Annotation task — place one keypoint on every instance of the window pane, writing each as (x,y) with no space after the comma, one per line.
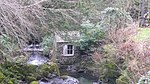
(70,46)
(69,51)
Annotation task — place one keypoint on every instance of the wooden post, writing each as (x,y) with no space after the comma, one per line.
(54,55)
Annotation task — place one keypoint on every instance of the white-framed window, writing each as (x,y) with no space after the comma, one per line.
(68,50)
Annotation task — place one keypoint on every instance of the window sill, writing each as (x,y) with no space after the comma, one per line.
(68,54)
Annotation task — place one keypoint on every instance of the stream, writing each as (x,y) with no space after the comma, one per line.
(73,78)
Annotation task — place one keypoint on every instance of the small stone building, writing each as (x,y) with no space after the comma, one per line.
(67,51)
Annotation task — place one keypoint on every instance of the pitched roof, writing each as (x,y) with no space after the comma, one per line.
(68,36)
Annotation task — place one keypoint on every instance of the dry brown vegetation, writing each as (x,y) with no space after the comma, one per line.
(136,54)
(123,45)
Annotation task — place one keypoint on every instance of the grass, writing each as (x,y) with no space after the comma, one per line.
(143,34)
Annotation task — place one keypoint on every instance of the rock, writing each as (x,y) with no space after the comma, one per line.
(96,83)
(52,75)
(71,68)
(67,80)
(44,82)
(51,81)
(70,80)
(34,82)
(81,71)
(57,81)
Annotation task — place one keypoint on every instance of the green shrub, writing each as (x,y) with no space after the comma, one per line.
(109,65)
(109,72)
(47,43)
(11,73)
(2,77)
(7,48)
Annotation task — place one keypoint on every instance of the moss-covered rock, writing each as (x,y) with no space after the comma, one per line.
(34,82)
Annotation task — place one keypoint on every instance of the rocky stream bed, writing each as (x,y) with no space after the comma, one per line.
(39,70)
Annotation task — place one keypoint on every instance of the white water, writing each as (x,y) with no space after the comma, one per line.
(36,59)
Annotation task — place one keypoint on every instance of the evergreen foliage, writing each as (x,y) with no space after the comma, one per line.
(14,73)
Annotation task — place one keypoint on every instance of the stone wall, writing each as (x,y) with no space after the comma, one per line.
(66,59)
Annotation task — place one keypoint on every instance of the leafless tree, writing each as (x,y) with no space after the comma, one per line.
(22,18)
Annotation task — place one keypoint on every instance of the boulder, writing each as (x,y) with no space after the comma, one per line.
(70,80)
(58,80)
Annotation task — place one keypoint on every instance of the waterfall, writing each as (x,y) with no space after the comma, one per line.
(36,58)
